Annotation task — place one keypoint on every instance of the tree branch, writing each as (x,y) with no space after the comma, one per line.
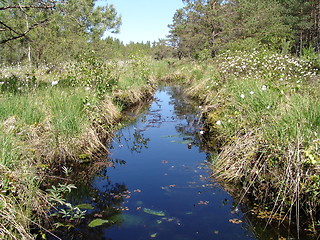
(26,7)
(20,35)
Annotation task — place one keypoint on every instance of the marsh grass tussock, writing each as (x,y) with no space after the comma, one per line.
(53,118)
(269,106)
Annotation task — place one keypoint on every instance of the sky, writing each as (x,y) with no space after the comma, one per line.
(144,20)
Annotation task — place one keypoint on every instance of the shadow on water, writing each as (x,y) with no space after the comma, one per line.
(157,184)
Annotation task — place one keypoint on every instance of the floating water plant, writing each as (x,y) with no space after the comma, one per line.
(153,235)
(85,206)
(97,222)
(154,212)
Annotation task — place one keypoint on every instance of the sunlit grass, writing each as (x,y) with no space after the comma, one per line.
(263,108)
(49,117)
(67,111)
(25,108)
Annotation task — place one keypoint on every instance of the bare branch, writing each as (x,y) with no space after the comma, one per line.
(20,35)
(26,7)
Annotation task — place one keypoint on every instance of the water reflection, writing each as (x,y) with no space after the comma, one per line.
(156,184)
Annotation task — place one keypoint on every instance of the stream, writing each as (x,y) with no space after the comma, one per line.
(157,184)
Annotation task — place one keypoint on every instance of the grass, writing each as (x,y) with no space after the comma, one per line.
(22,108)
(67,112)
(263,109)
(52,119)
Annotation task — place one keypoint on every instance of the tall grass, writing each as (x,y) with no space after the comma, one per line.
(22,107)
(67,112)
(19,187)
(54,117)
(264,110)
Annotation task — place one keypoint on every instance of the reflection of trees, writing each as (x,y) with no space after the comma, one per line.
(108,198)
(187,109)
(135,141)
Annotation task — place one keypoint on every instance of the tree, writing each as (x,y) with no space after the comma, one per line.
(260,20)
(22,17)
(303,17)
(54,29)
(211,25)
(195,27)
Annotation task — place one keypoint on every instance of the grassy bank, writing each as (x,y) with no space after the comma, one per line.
(53,118)
(262,112)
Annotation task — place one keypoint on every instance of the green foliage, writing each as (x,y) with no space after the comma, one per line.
(137,72)
(16,84)
(283,26)
(139,67)
(50,31)
(94,74)
(66,210)
(300,120)
(8,151)
(97,222)
(264,111)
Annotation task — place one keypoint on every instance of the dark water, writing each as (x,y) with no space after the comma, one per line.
(159,186)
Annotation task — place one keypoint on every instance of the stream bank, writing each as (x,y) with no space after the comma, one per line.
(158,184)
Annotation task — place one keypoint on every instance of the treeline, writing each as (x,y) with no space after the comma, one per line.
(52,31)
(203,27)
(46,31)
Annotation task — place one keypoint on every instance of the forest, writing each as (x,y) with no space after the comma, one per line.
(253,64)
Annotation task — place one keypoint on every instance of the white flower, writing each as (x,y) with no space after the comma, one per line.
(87,88)
(268,107)
(54,83)
(242,95)
(201,132)
(200,107)
(218,122)
(264,88)
(252,92)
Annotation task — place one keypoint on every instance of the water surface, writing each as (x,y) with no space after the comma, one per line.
(159,186)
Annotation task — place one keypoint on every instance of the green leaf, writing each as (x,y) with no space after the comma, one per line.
(97,222)
(154,212)
(153,235)
(85,206)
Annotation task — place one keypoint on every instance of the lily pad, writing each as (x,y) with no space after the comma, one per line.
(154,212)
(85,206)
(153,235)
(97,222)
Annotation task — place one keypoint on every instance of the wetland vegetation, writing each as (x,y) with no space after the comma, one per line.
(252,66)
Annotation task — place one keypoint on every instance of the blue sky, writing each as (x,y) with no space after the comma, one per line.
(144,20)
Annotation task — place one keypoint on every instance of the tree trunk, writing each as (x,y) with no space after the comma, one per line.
(29,47)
